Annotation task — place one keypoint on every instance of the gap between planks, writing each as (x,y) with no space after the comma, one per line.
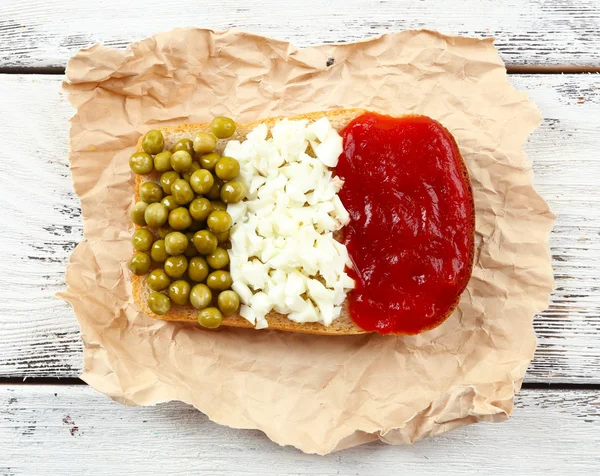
(510,69)
(70,381)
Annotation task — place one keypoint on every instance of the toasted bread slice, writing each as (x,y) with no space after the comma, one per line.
(343,325)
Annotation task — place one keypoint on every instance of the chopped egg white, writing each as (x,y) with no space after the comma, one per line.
(283,256)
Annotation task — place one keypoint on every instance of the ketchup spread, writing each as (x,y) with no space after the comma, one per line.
(410,237)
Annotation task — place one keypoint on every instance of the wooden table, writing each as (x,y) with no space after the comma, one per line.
(52,424)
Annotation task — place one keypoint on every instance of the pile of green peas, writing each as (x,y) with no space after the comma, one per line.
(182,243)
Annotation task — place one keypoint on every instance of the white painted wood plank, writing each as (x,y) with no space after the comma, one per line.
(40,229)
(63,430)
(36,33)
(39,333)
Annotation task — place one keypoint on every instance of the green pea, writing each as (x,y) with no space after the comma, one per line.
(180,218)
(222,127)
(142,239)
(151,192)
(159,303)
(204,142)
(176,266)
(202,181)
(210,317)
(233,191)
(215,191)
(219,221)
(200,208)
(153,142)
(198,269)
(140,263)
(167,179)
(141,163)
(175,243)
(228,302)
(137,213)
(179,292)
(209,161)
(158,280)
(219,280)
(182,192)
(156,215)
(205,242)
(218,205)
(181,161)
(169,202)
(227,168)
(218,259)
(158,251)
(200,296)
(162,162)
(184,144)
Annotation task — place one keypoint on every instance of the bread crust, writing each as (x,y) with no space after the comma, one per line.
(343,325)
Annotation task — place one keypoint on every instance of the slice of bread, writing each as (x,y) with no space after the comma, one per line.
(343,325)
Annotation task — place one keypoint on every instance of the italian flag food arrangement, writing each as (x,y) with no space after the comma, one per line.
(258,214)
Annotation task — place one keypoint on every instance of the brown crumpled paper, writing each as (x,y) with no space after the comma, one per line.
(316,393)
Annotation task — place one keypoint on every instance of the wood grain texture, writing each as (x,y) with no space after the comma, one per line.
(39,333)
(40,229)
(35,33)
(50,430)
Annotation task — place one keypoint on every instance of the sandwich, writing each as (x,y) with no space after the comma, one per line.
(338,223)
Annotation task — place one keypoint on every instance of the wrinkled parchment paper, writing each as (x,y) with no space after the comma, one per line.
(316,393)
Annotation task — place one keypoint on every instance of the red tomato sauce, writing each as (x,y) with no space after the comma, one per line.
(410,237)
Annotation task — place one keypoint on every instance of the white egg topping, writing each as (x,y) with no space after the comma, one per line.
(283,255)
